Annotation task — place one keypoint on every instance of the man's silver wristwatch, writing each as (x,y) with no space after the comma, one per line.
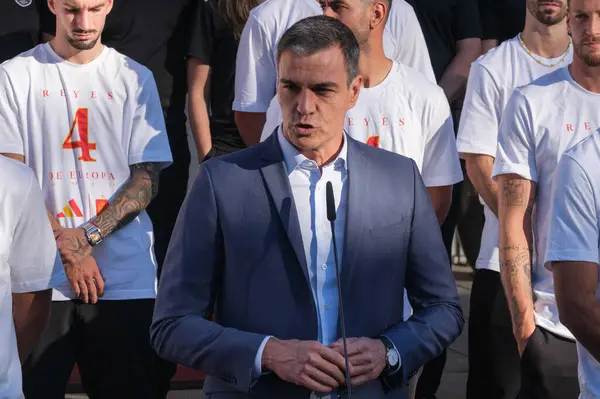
(92,233)
(392,357)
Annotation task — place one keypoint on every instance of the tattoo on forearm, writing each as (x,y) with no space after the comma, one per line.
(135,195)
(517,276)
(513,193)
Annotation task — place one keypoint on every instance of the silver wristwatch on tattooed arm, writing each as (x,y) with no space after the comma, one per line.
(92,233)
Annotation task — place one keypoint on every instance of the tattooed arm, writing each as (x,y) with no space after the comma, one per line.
(515,206)
(135,195)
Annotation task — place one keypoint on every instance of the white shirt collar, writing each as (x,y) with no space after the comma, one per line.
(293,158)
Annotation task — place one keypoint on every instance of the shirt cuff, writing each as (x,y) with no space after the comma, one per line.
(258,359)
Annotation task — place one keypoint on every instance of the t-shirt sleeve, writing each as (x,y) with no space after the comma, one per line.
(149,141)
(11,139)
(33,255)
(256,69)
(203,33)
(481,113)
(47,18)
(467,24)
(574,219)
(441,166)
(516,142)
(404,28)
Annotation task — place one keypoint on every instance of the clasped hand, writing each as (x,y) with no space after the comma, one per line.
(320,368)
(80,266)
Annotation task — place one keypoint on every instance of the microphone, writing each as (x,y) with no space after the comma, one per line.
(331,215)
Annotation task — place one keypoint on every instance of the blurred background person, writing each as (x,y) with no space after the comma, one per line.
(542,47)
(211,74)
(23,24)
(256,108)
(452,30)
(541,121)
(27,270)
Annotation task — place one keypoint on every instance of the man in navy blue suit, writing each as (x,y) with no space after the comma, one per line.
(248,291)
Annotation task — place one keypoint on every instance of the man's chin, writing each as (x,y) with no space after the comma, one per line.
(83,44)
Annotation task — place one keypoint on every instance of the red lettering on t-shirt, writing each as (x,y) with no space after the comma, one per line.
(401,121)
(72,175)
(59,176)
(45,93)
(366,122)
(93,94)
(62,93)
(76,93)
(569,127)
(110,95)
(384,121)
(95,175)
(587,126)
(350,122)
(111,176)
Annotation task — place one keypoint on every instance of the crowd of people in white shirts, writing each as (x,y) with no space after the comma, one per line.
(83,141)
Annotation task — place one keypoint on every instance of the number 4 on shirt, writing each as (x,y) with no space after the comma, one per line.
(81,121)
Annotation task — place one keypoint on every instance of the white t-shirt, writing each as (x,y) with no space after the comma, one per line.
(541,121)
(491,81)
(408,115)
(80,127)
(575,230)
(27,260)
(256,62)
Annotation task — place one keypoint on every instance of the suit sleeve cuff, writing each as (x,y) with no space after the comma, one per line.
(258,359)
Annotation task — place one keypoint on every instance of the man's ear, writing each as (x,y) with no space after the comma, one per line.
(52,6)
(355,87)
(379,14)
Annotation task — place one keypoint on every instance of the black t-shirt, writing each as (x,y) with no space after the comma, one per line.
(502,19)
(21,23)
(155,33)
(214,44)
(444,22)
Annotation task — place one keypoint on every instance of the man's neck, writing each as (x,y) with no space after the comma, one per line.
(72,55)
(373,65)
(543,40)
(586,76)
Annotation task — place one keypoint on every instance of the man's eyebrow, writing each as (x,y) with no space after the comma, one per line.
(324,85)
(288,82)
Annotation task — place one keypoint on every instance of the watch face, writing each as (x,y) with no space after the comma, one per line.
(95,236)
(392,358)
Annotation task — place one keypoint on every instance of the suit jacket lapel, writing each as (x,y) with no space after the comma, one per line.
(358,202)
(278,184)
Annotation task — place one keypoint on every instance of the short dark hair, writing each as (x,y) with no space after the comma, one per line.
(313,34)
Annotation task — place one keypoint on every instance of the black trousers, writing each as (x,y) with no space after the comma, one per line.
(110,343)
(494,362)
(549,367)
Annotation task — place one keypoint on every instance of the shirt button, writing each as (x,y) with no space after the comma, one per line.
(324,267)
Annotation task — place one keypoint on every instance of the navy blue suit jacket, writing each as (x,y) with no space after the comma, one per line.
(237,253)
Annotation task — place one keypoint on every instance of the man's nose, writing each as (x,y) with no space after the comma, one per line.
(306,102)
(83,20)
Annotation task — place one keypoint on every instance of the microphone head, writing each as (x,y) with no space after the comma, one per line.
(330,202)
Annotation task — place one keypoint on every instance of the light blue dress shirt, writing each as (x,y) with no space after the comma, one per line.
(308,184)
